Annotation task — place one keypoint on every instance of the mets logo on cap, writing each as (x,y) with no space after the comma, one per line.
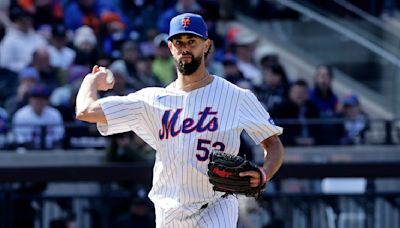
(185,22)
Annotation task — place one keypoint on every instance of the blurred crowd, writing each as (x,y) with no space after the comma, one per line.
(48,46)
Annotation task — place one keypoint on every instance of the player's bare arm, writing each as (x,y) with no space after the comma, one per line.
(273,158)
(87,107)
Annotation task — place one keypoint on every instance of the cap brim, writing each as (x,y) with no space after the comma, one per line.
(186,32)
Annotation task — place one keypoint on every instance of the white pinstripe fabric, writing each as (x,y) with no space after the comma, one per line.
(221,213)
(195,123)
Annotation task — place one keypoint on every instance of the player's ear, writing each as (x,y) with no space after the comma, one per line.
(208,44)
(169,44)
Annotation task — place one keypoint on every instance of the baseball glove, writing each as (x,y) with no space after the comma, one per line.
(223,172)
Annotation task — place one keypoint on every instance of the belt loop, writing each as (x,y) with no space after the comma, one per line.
(206,204)
(225,195)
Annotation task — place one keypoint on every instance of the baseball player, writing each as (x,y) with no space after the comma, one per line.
(184,122)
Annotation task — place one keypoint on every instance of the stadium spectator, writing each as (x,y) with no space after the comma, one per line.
(269,60)
(85,42)
(4,18)
(214,66)
(181,6)
(266,55)
(139,214)
(355,121)
(8,84)
(27,78)
(20,41)
(63,99)
(140,14)
(233,74)
(61,96)
(143,78)
(144,72)
(146,44)
(2,29)
(211,16)
(83,12)
(128,147)
(298,108)
(275,86)
(113,33)
(3,122)
(3,128)
(44,12)
(104,60)
(30,121)
(323,96)
(244,43)
(163,66)
(49,74)
(126,66)
(60,54)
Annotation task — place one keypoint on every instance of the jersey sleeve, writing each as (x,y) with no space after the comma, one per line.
(121,112)
(254,119)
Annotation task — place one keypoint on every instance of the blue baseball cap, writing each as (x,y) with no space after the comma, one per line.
(188,23)
(40,90)
(351,100)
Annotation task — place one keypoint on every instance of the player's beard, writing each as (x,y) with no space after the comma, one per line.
(188,68)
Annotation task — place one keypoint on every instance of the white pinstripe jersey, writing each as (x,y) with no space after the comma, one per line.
(184,127)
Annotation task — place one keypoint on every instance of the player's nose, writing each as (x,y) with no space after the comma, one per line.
(184,51)
(185,47)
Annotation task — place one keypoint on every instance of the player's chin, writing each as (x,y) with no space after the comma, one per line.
(185,60)
(184,64)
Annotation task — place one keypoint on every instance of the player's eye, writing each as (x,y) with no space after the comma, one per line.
(191,42)
(178,43)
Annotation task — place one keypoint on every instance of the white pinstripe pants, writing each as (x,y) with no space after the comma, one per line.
(222,213)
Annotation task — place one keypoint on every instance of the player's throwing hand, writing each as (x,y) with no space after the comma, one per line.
(102,78)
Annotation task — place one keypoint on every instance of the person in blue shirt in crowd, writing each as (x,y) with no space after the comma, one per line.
(327,102)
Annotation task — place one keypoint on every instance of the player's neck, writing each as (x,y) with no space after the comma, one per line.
(198,79)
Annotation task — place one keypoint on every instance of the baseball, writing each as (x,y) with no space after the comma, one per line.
(110,76)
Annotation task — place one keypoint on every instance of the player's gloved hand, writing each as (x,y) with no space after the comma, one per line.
(233,174)
(100,77)
(256,177)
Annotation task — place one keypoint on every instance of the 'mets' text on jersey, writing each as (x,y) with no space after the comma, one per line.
(170,127)
(184,128)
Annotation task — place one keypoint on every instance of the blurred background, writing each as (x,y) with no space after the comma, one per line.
(327,71)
